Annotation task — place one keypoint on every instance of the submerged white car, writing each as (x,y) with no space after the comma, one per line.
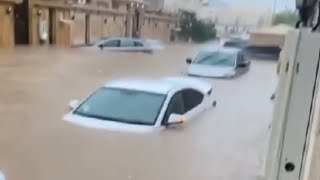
(2,177)
(142,105)
(218,62)
(127,44)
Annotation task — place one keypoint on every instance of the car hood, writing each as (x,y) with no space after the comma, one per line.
(107,125)
(210,71)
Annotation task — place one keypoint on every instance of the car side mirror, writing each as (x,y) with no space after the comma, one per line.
(242,65)
(74,104)
(175,119)
(189,61)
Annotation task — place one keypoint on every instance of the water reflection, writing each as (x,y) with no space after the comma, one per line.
(35,144)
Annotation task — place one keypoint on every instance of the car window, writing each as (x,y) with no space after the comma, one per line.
(111,43)
(182,102)
(138,44)
(127,43)
(175,106)
(240,58)
(192,98)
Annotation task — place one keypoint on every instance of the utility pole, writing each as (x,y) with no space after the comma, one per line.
(274,10)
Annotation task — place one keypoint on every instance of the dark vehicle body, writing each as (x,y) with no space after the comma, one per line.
(254,52)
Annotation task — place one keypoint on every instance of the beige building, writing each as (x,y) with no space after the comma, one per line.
(273,36)
(79,22)
(236,20)
(155,4)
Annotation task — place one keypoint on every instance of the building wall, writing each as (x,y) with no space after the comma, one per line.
(6,25)
(105,26)
(69,25)
(38,15)
(62,30)
(155,4)
(95,28)
(78,29)
(156,29)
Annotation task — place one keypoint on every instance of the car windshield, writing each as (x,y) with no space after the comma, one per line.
(99,41)
(218,58)
(122,105)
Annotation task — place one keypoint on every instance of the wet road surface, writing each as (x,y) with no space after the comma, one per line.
(35,144)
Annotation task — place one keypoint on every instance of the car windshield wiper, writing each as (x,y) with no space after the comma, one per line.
(111,119)
(204,59)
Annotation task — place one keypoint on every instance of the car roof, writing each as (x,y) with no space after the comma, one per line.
(220,49)
(123,38)
(161,85)
(152,85)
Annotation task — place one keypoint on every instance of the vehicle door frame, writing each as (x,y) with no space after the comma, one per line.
(110,48)
(127,48)
(143,48)
(241,70)
(191,114)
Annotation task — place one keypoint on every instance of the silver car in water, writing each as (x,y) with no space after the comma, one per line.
(129,44)
(218,62)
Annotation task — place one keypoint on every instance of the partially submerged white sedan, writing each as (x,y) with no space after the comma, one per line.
(142,105)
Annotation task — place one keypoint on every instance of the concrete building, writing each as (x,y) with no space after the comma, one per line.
(173,6)
(77,22)
(235,20)
(155,4)
(228,19)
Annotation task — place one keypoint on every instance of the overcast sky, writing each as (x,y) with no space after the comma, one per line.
(280,4)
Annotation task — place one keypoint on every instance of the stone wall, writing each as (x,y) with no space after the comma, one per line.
(78,29)
(6,24)
(157,28)
(70,24)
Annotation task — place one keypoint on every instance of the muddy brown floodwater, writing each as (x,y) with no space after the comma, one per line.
(35,144)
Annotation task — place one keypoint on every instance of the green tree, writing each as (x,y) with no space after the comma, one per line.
(285,17)
(196,29)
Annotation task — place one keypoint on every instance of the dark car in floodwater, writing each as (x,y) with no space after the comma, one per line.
(218,62)
(254,52)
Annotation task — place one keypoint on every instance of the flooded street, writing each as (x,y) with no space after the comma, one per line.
(35,144)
